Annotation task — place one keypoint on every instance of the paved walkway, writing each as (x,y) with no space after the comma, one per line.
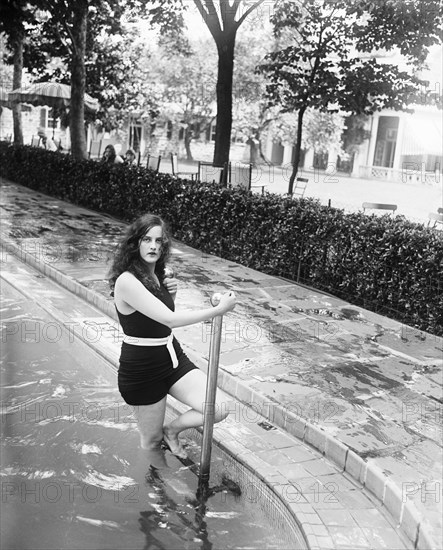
(361,389)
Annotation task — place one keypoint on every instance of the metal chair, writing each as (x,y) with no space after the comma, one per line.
(94,149)
(35,141)
(207,173)
(153,162)
(379,206)
(300,187)
(437,218)
(176,173)
(240,175)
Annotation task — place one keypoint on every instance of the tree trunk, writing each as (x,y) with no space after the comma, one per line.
(187,141)
(78,81)
(297,151)
(225,47)
(253,149)
(17,83)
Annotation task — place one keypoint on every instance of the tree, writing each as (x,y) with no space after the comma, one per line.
(251,116)
(223,20)
(14,16)
(64,33)
(117,64)
(186,80)
(327,56)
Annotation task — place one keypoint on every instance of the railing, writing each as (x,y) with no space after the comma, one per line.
(211,389)
(409,174)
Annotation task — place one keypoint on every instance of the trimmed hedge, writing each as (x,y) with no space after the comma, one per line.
(386,264)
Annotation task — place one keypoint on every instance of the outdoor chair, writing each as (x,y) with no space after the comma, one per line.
(437,218)
(379,206)
(94,149)
(176,173)
(300,187)
(240,175)
(35,141)
(207,173)
(153,162)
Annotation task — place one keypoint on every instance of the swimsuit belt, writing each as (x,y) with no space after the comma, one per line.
(167,341)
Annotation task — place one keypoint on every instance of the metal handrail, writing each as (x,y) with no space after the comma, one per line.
(211,390)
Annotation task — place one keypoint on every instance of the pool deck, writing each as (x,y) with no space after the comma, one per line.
(339,409)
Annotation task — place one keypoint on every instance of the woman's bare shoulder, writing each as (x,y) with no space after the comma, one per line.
(126,278)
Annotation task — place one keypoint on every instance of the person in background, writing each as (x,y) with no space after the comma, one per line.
(46,143)
(110,155)
(130,158)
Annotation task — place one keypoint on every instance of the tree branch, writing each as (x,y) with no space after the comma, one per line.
(228,13)
(207,14)
(54,7)
(248,11)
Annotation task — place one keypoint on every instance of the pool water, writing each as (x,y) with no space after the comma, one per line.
(73,475)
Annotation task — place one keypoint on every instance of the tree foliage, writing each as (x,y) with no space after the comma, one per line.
(251,116)
(113,73)
(15,16)
(185,80)
(330,56)
(80,42)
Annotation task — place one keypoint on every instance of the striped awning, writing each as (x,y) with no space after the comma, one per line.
(53,94)
(4,99)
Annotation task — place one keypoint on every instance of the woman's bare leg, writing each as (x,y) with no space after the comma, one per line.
(150,419)
(191,390)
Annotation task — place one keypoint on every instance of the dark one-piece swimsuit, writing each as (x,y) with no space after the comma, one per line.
(146,373)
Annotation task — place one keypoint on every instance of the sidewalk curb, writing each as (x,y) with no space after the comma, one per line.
(369,476)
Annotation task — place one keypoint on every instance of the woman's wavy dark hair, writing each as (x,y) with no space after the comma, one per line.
(127,256)
(113,155)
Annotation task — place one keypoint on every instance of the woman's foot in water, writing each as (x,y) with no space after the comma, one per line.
(173,443)
(155,457)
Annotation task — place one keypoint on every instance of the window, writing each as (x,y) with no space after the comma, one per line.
(47,119)
(169,130)
(135,135)
(210,131)
(213,130)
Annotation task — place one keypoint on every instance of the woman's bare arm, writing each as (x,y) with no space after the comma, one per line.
(129,289)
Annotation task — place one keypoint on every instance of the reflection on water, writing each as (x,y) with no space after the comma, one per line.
(72,473)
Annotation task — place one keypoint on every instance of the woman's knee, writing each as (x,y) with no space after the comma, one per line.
(223,409)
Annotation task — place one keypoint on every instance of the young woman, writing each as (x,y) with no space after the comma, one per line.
(110,155)
(152,362)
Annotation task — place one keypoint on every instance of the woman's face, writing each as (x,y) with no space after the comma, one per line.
(151,245)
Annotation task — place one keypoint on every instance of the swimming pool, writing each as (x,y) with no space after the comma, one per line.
(73,475)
